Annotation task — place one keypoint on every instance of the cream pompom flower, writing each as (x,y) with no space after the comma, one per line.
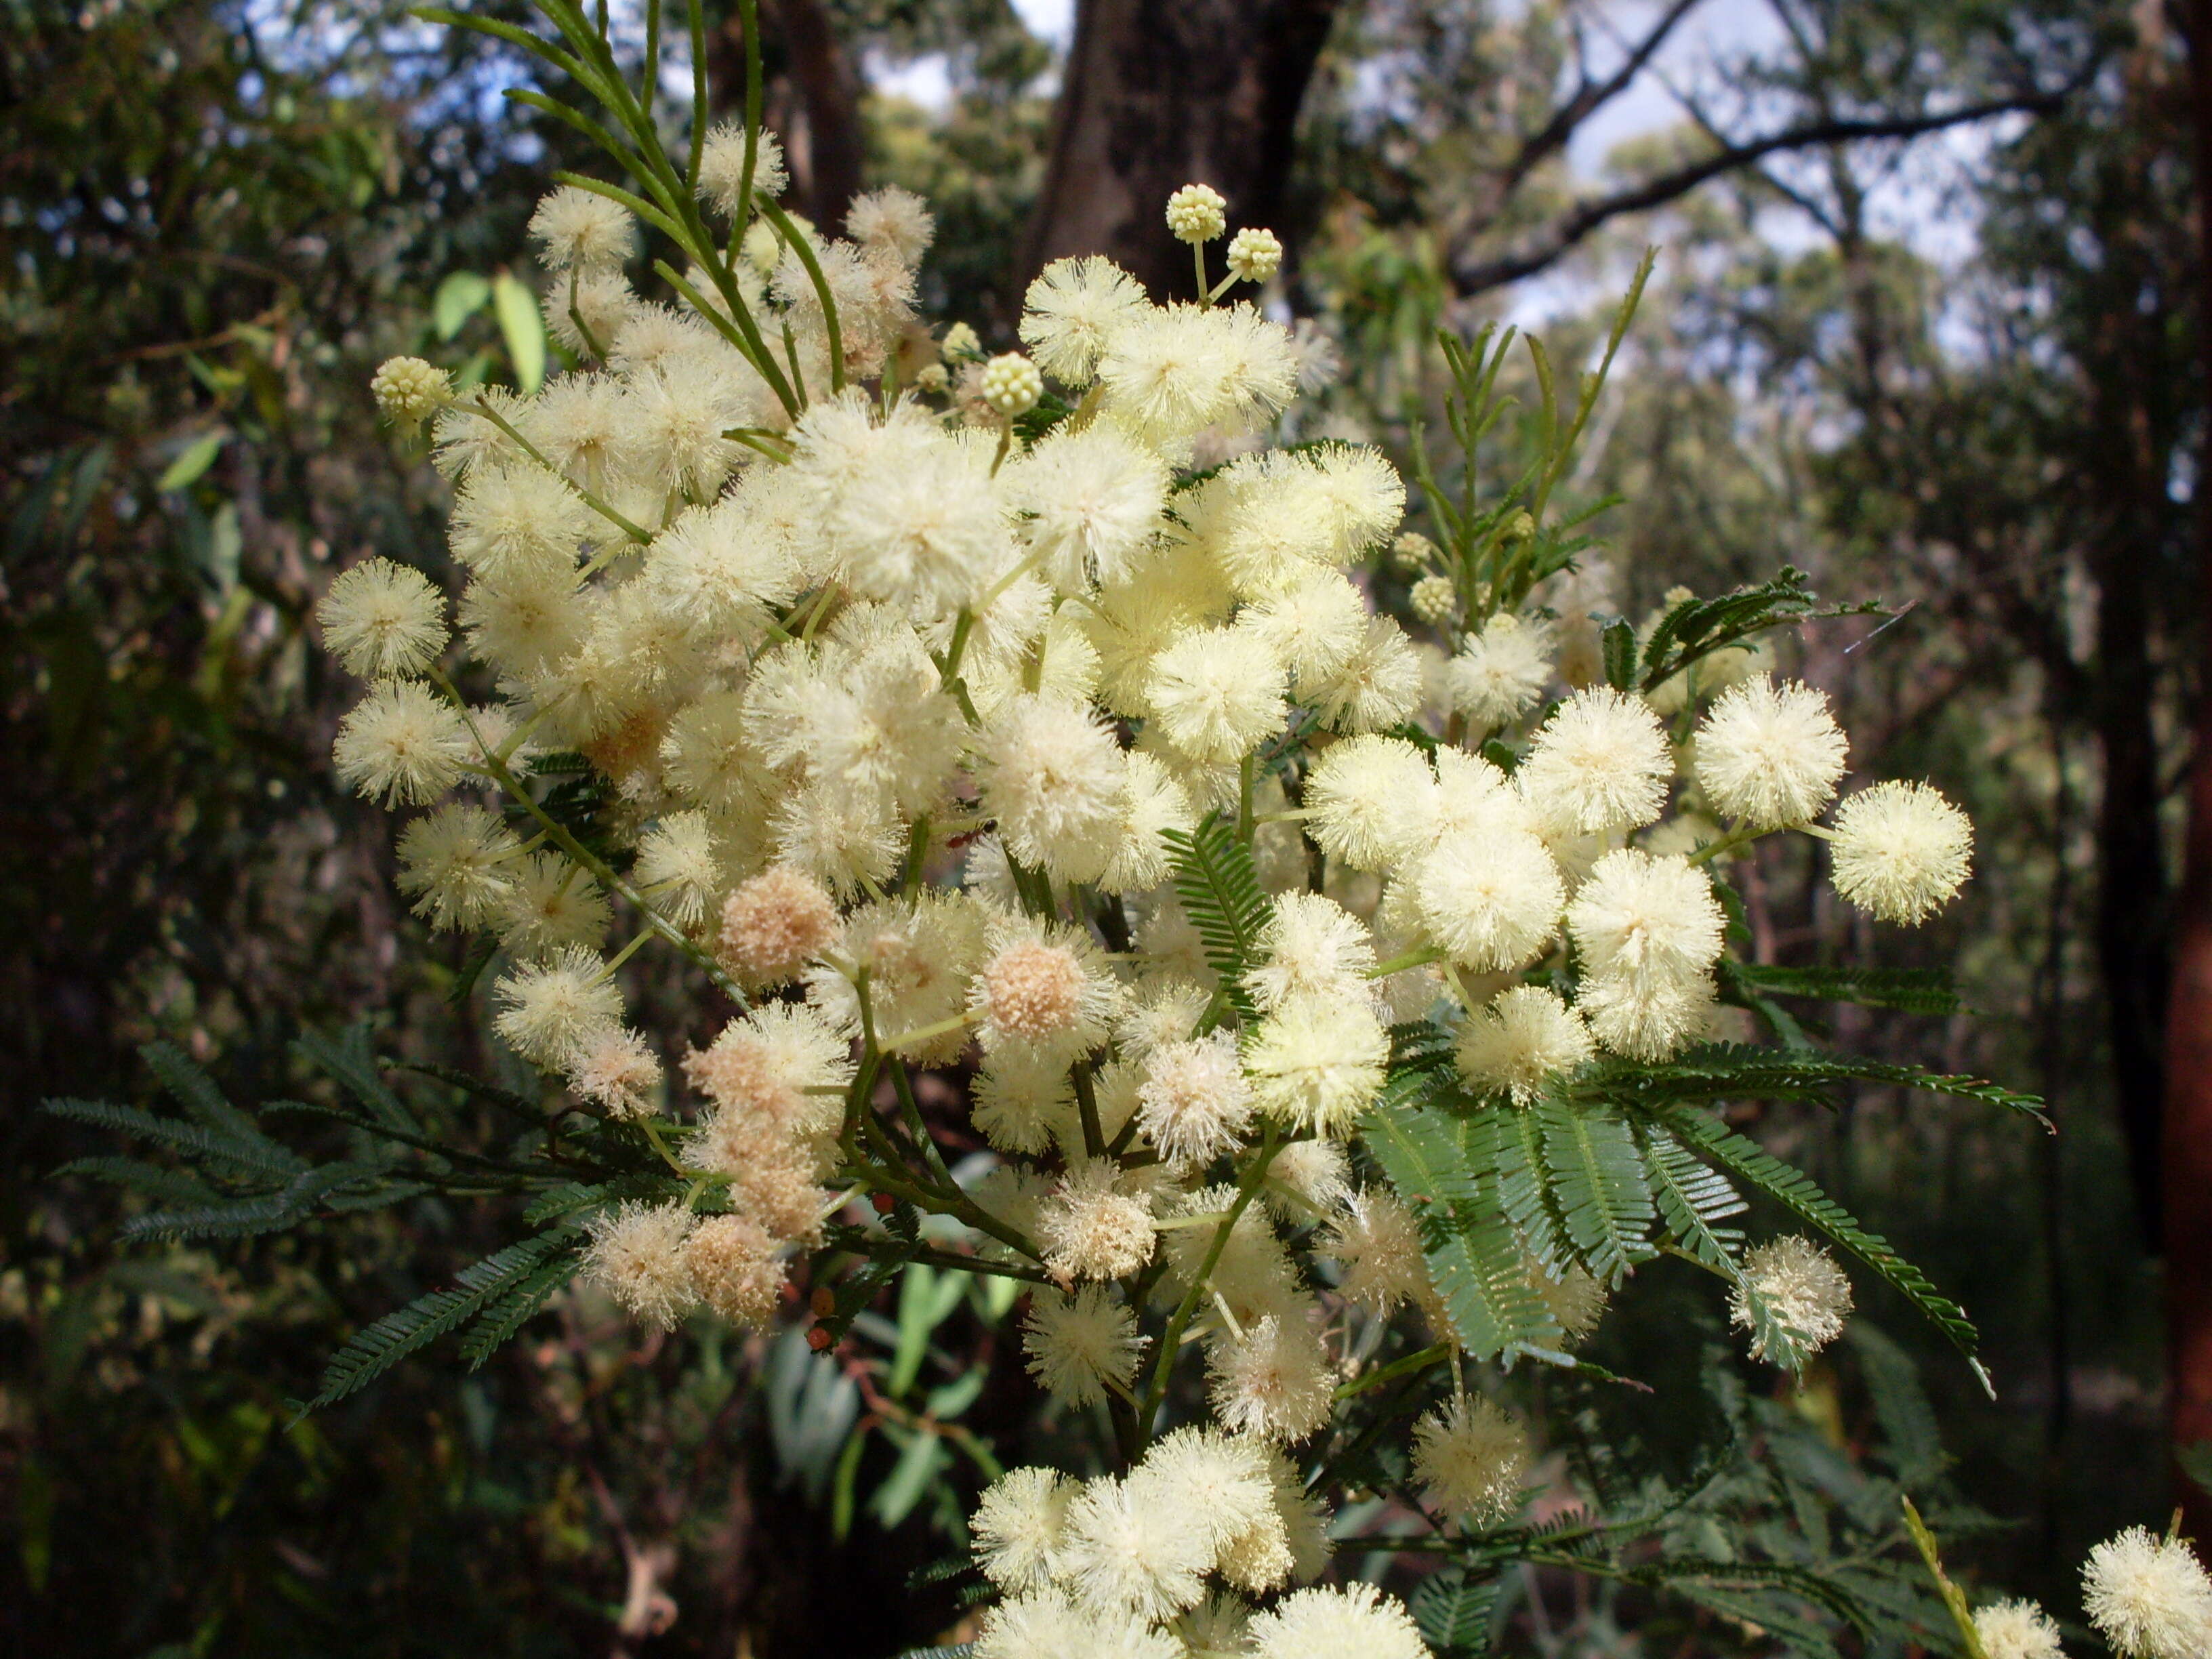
(1376,1239)
(403,743)
(1171,373)
(579,229)
(722,169)
(550,902)
(775,1070)
(1311,946)
(736,1268)
(1091,1229)
(2148,1596)
(1072,308)
(1043,987)
(1335,1623)
(1216,692)
(1194,1103)
(1129,1546)
(1272,1379)
(1471,1459)
(519,521)
(1080,1345)
(1500,673)
(1770,756)
(1016,1528)
(1053,776)
(1369,799)
(1526,1035)
(774,924)
(1093,499)
(1645,917)
(1492,901)
(1318,1064)
(679,867)
(614,1069)
(2017,1630)
(636,1255)
(1600,763)
(457,861)
(549,1010)
(1799,1287)
(892,220)
(1901,851)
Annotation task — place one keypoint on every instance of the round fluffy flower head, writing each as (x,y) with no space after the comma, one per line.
(1171,373)
(734,1267)
(1770,756)
(1128,1546)
(1254,255)
(1090,1229)
(1052,774)
(1070,309)
(769,1065)
(1472,1458)
(1094,497)
(1802,1288)
(636,1256)
(1490,900)
(1376,1238)
(1043,987)
(1901,851)
(1525,1035)
(451,860)
(722,169)
(1646,918)
(2148,1596)
(549,1011)
(892,221)
(613,1069)
(1011,384)
(1194,1103)
(2017,1630)
(774,924)
(1366,797)
(1337,1622)
(579,229)
(1016,1528)
(1275,1381)
(1047,1624)
(1078,1346)
(402,744)
(1500,673)
(1311,946)
(678,866)
(1600,763)
(1217,691)
(1318,1064)
(409,391)
(1197,213)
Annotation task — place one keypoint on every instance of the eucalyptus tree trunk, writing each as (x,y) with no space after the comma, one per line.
(1159,93)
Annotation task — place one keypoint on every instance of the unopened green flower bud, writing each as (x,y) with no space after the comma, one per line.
(1011,384)
(1197,213)
(407,389)
(960,341)
(1413,551)
(1254,255)
(1433,598)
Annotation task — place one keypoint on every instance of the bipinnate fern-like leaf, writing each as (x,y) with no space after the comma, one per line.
(1221,893)
(1694,1201)
(1797,1193)
(1909,990)
(1733,1070)
(1603,1193)
(378,1347)
(1453,1607)
(1474,1254)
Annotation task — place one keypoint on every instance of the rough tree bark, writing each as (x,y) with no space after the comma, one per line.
(1157,93)
(2187,1140)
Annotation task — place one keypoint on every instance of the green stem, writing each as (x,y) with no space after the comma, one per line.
(480,407)
(1172,1339)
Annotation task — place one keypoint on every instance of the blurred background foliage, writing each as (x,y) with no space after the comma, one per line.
(1948,363)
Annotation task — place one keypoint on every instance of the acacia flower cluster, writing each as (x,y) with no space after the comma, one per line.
(897,718)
